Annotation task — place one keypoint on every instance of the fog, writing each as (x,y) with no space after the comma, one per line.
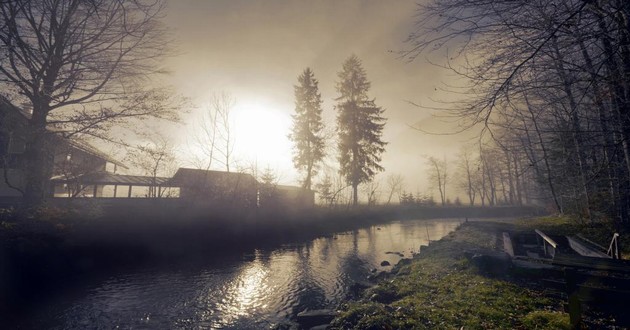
(256,49)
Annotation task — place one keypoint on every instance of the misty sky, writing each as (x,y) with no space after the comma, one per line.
(256,49)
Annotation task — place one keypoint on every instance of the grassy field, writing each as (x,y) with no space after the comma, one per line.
(442,289)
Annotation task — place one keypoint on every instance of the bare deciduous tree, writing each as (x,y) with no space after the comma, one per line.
(438,176)
(371,191)
(214,139)
(83,67)
(465,175)
(550,77)
(155,159)
(395,185)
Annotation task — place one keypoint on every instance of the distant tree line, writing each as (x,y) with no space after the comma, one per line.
(550,82)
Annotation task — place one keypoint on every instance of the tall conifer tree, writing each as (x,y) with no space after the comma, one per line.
(359,125)
(307,131)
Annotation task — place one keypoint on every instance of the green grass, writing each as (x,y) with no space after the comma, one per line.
(441,289)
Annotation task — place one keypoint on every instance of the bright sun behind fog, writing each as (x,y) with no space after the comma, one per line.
(261,132)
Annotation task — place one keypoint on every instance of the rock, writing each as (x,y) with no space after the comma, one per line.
(320,327)
(357,288)
(384,297)
(316,317)
(385,263)
(287,325)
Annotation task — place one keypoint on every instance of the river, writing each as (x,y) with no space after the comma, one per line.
(254,290)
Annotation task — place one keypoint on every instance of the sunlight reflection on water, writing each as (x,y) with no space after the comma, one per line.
(256,290)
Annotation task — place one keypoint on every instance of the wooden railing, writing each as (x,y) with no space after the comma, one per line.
(549,245)
(613,249)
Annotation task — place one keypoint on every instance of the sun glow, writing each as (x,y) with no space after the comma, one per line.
(261,132)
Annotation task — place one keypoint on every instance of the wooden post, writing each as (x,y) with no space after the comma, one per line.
(115,188)
(507,244)
(94,192)
(575,307)
(129,194)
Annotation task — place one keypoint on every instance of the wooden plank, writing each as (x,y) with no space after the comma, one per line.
(584,250)
(591,242)
(608,282)
(533,255)
(546,238)
(613,265)
(602,296)
(507,244)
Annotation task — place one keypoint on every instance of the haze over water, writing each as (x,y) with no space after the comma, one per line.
(254,290)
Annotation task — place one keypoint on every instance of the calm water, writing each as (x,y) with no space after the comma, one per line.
(256,290)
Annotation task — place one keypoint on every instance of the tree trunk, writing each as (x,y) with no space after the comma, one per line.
(37,158)
(576,133)
(612,170)
(549,178)
(620,105)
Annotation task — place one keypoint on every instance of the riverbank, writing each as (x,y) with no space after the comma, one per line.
(53,252)
(442,288)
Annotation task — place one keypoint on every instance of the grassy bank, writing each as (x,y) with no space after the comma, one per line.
(441,288)
(58,248)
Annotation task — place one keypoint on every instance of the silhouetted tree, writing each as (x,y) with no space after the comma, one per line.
(553,74)
(395,184)
(359,125)
(438,176)
(214,140)
(307,131)
(371,190)
(268,190)
(407,199)
(154,159)
(82,66)
(465,174)
(325,191)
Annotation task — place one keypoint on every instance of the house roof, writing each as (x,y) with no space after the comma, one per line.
(88,148)
(8,107)
(185,176)
(104,178)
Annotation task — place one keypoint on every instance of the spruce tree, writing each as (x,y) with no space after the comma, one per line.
(307,131)
(359,125)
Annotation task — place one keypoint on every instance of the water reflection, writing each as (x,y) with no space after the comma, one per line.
(256,291)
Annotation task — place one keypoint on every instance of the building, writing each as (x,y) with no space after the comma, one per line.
(12,144)
(77,169)
(216,189)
